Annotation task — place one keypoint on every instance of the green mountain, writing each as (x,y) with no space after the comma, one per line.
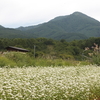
(11,33)
(79,23)
(70,27)
(74,26)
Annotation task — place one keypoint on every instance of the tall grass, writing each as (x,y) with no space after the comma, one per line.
(23,59)
(20,59)
(59,62)
(6,62)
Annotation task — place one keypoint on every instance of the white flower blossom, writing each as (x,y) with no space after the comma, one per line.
(48,83)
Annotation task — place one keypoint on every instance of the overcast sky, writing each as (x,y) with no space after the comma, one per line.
(15,13)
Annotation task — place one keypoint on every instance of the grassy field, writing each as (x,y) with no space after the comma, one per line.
(50,83)
(17,59)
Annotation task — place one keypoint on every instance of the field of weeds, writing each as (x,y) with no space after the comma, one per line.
(50,83)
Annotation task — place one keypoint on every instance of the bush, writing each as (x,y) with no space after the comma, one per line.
(96,59)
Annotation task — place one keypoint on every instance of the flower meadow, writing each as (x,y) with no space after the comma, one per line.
(50,83)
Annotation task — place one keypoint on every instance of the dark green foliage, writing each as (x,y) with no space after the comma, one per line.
(49,48)
(45,48)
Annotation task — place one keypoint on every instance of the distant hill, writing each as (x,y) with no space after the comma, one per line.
(70,27)
(11,33)
(1,26)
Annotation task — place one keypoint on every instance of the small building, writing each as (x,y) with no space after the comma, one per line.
(11,48)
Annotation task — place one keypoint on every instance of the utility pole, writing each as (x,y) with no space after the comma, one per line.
(34,50)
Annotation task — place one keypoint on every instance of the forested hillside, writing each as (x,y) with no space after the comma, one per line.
(79,25)
(75,26)
(11,33)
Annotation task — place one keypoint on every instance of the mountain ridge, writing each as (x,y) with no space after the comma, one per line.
(70,27)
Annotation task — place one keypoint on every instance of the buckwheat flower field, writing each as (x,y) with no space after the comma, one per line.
(50,83)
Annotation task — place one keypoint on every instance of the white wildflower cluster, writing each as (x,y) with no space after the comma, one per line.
(48,83)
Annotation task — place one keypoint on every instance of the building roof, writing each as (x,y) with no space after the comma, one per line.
(11,48)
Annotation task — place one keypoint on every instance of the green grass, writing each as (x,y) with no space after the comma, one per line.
(6,62)
(50,83)
(21,59)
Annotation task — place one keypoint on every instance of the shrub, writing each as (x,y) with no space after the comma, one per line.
(96,59)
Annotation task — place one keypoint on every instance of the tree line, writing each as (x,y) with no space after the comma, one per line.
(50,48)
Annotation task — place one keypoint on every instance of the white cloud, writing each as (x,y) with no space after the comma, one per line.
(14,13)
